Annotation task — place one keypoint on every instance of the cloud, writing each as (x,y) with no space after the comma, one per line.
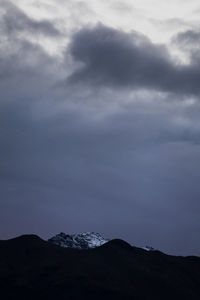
(188,37)
(189,41)
(21,58)
(116,59)
(15,21)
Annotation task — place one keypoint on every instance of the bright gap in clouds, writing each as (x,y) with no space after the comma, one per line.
(158,19)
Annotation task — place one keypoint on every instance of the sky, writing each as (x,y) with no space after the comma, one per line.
(99,120)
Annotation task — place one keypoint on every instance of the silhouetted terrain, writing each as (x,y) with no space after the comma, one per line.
(31,268)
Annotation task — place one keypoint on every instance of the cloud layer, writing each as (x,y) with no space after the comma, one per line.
(114,149)
(15,21)
(113,58)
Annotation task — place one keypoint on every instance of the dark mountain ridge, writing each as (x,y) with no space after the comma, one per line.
(31,268)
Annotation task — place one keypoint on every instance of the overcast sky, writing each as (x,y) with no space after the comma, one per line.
(100,120)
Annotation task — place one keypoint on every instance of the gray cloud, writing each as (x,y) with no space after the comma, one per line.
(113,58)
(189,37)
(15,21)
(189,42)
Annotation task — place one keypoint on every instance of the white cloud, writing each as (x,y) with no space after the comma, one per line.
(156,18)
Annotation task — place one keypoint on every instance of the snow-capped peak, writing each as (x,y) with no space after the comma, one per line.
(149,248)
(85,240)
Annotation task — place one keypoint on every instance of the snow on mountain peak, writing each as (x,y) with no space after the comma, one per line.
(85,240)
(149,248)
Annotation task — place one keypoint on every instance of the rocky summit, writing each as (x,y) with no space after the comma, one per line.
(85,240)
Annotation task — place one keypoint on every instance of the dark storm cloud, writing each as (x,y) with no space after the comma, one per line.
(113,58)
(15,21)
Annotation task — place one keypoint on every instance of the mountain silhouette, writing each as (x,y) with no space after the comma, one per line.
(31,268)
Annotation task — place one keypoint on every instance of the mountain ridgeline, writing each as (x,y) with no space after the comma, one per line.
(31,268)
(85,240)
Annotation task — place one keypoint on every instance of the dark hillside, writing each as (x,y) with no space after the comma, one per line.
(31,268)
